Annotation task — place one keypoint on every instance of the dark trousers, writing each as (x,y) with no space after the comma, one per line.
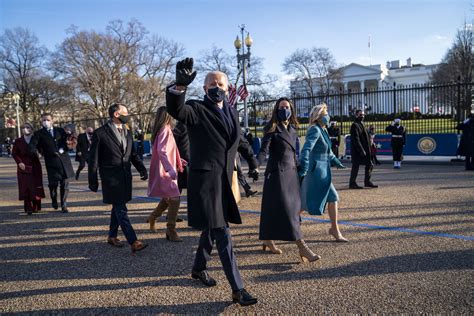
(223,241)
(82,164)
(397,152)
(63,191)
(119,217)
(355,171)
(241,177)
(32,205)
(469,163)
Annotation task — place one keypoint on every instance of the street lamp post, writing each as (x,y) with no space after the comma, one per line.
(16,99)
(244,58)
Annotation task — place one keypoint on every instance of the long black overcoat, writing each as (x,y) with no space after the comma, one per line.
(466,145)
(107,156)
(211,203)
(281,204)
(58,165)
(82,147)
(180,133)
(360,144)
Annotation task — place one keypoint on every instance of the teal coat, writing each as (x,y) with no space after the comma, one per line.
(316,159)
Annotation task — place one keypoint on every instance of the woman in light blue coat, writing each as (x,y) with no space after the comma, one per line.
(316,159)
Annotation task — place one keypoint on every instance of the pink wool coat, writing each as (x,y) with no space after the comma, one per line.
(165,157)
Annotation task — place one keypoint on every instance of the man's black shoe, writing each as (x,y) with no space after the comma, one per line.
(64,210)
(249,193)
(77,175)
(55,204)
(204,277)
(371,185)
(355,186)
(243,298)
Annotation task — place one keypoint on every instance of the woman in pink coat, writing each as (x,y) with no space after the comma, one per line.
(164,167)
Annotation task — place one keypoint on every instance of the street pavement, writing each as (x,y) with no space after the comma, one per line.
(410,251)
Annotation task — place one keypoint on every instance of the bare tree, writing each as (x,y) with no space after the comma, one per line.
(316,68)
(21,62)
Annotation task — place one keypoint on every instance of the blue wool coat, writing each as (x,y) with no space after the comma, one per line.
(316,159)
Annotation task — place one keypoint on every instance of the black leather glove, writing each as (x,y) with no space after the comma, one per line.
(144,175)
(184,72)
(253,174)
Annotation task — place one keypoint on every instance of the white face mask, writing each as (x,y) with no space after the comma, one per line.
(47,124)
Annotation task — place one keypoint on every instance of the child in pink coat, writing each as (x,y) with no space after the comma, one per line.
(164,167)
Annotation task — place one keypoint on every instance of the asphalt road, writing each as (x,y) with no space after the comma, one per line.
(410,251)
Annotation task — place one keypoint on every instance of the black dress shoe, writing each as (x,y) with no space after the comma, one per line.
(371,185)
(55,204)
(243,298)
(249,193)
(64,210)
(204,277)
(355,186)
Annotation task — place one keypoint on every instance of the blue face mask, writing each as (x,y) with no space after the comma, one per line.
(284,114)
(216,94)
(326,119)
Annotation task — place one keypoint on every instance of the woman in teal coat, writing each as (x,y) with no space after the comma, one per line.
(316,159)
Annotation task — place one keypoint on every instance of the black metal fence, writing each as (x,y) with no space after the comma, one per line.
(423,108)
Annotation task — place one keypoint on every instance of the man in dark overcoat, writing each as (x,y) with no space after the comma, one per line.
(245,151)
(466,145)
(398,142)
(335,137)
(213,130)
(360,151)
(84,142)
(51,142)
(112,154)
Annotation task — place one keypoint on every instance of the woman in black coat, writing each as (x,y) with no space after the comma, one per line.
(281,205)
(466,145)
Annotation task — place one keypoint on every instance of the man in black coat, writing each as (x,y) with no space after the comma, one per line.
(84,142)
(112,153)
(51,142)
(213,130)
(245,151)
(335,137)
(360,151)
(398,142)
(466,145)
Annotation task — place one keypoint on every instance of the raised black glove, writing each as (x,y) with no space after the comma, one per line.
(184,72)
(253,174)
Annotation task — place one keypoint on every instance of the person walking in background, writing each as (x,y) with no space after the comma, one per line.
(165,165)
(360,152)
(52,143)
(316,159)
(213,137)
(29,172)
(466,146)
(245,151)
(180,133)
(281,206)
(335,137)
(373,146)
(112,154)
(84,142)
(398,142)
(140,137)
(8,146)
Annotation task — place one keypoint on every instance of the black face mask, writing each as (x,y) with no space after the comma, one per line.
(360,119)
(216,94)
(123,118)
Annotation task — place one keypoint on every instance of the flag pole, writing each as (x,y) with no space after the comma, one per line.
(370,53)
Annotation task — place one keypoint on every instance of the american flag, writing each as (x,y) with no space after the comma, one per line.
(232,97)
(242,92)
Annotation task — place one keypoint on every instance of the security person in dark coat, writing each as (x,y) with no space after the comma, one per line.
(398,142)
(84,142)
(180,133)
(245,151)
(335,137)
(213,138)
(466,146)
(51,142)
(360,151)
(112,154)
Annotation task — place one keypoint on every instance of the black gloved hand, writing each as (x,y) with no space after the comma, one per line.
(184,72)
(144,175)
(253,174)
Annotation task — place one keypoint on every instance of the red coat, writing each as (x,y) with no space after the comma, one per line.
(30,180)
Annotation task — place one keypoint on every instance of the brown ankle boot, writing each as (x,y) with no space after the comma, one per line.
(151,220)
(306,254)
(173,209)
